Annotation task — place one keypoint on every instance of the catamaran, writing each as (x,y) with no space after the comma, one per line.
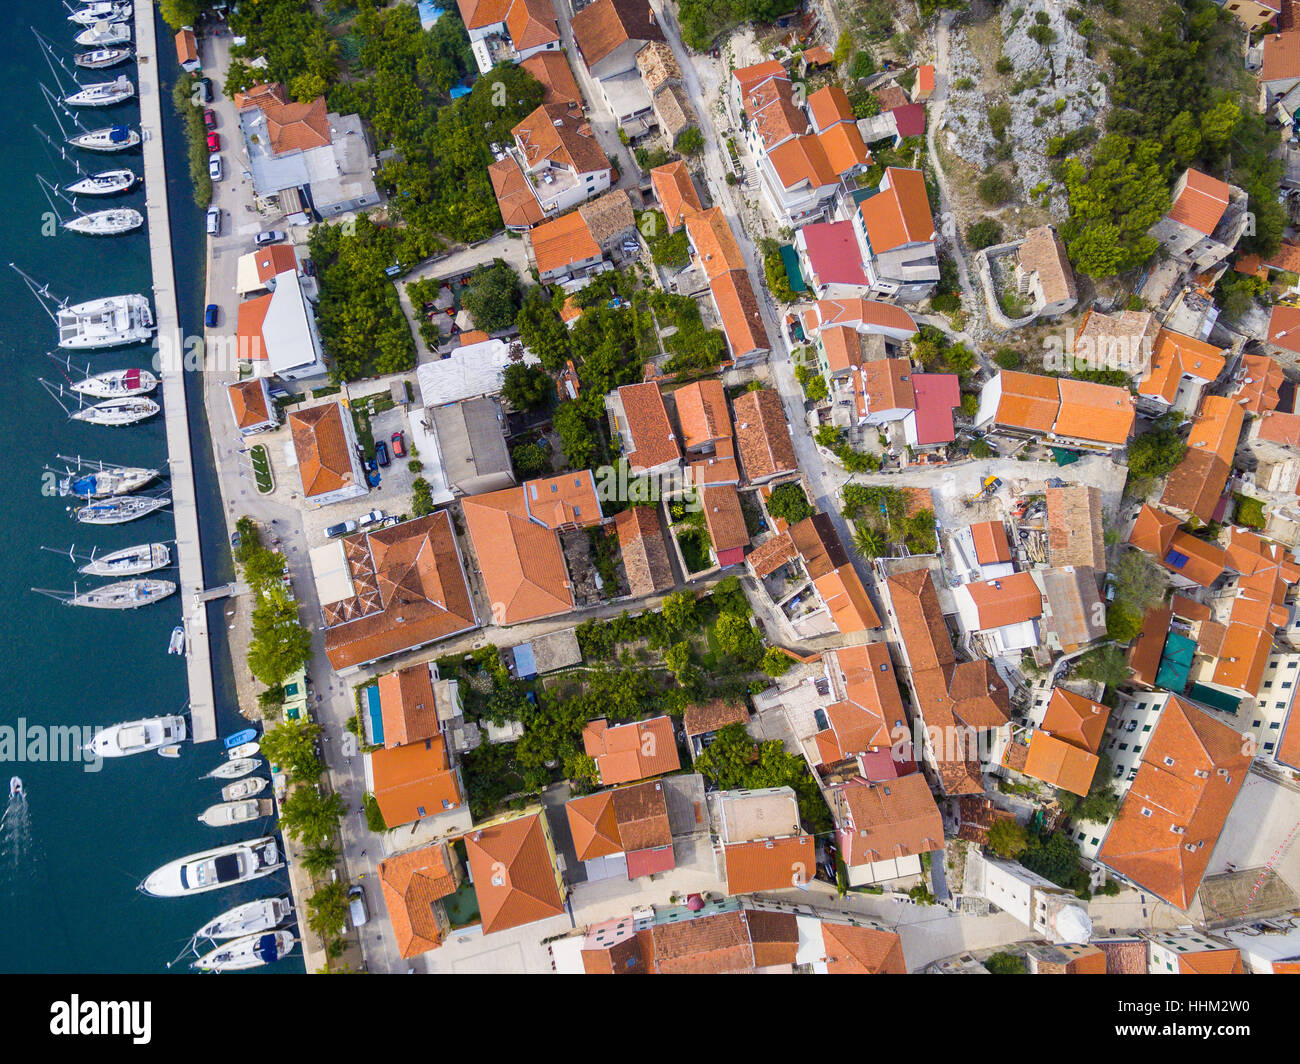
(248,787)
(227,814)
(104,35)
(137,736)
(129,561)
(102,481)
(102,93)
(103,58)
(101,11)
(208,870)
(111,321)
(119,511)
(116,383)
(251,918)
(251,952)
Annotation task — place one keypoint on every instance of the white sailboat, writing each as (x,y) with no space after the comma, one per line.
(227,814)
(115,384)
(129,561)
(123,595)
(250,918)
(208,870)
(232,770)
(102,93)
(102,183)
(119,511)
(250,952)
(97,480)
(137,736)
(103,58)
(114,221)
(248,787)
(108,139)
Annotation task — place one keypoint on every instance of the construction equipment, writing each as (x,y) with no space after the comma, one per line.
(989,487)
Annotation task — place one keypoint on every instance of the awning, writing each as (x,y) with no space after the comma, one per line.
(1214,698)
(1064,457)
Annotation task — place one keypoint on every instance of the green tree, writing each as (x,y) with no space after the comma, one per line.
(677,658)
(542,332)
(327,910)
(527,387)
(690,141)
(291,745)
(984,233)
(178,13)
(789,503)
(308,87)
(1008,838)
(581,445)
(305,814)
(1006,964)
(492,296)
(421,497)
(317,861)
(531,460)
(280,645)
(1155,453)
(776,662)
(1007,358)
(995,188)
(1104,665)
(738,638)
(679,611)
(869,541)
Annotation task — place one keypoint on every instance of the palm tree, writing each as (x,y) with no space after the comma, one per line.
(868,541)
(319,859)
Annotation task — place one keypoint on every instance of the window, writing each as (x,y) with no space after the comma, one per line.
(1268,683)
(1123,746)
(1256,723)
(1292,664)
(1095,841)
(1268,748)
(1275,725)
(419,809)
(1286,684)
(1169,760)
(1132,775)
(1145,811)
(1146,727)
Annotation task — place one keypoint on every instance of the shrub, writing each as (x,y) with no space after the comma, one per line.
(1004,65)
(789,503)
(863,65)
(995,188)
(984,233)
(1007,358)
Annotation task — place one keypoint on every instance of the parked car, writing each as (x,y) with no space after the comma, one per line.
(205,90)
(210,316)
(271,236)
(210,118)
(381,453)
(309,267)
(343,528)
(235,540)
(357,905)
(214,142)
(371,518)
(399,445)
(214,167)
(214,221)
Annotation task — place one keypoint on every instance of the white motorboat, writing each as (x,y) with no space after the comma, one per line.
(104,35)
(110,138)
(232,770)
(250,918)
(115,412)
(112,222)
(101,11)
(250,952)
(208,870)
(130,561)
(124,595)
(176,644)
(174,750)
(101,481)
(116,383)
(108,322)
(103,58)
(248,787)
(103,183)
(137,736)
(102,93)
(119,511)
(243,750)
(226,814)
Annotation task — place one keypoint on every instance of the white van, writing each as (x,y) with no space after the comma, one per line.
(357,905)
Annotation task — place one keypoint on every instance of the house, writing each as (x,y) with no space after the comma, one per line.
(831,261)
(187,50)
(864,725)
(257,271)
(563,249)
(1121,341)
(1062,750)
(609,34)
(982,550)
(896,231)
(1205,220)
(673,112)
(645,435)
(405,588)
(1190,773)
(734,302)
(1253,14)
(471,446)
(251,406)
(643,551)
(1004,610)
(1280,69)
(1196,485)
(883,828)
(559,159)
(551,69)
(763,440)
(675,191)
(1191,561)
(469,371)
(611,222)
(413,885)
(1284,327)
(307,160)
(509,31)
(625,753)
(1043,274)
(1075,529)
(923,89)
(930,423)
(328,455)
(703,417)
(277,332)
(1075,615)
(725,522)
(1075,413)
(1260,384)
(515,536)
(769,864)
(1180,370)
(1191,953)
(702,722)
(415,781)
(512,866)
(623,831)
(1273,441)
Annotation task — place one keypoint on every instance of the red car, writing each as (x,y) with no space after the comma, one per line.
(214,142)
(210,118)
(399,445)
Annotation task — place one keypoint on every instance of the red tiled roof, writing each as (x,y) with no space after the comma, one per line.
(652,436)
(1203,199)
(514,877)
(628,752)
(769,864)
(899,214)
(991,544)
(883,821)
(411,883)
(1006,600)
(762,435)
(321,444)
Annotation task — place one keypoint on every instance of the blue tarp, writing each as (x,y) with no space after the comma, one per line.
(457,91)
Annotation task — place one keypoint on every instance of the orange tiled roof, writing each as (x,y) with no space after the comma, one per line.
(562,242)
(1281,56)
(641,546)
(1259,388)
(748,77)
(628,752)
(557,134)
(854,950)
(709,717)
(772,112)
(737,305)
(882,821)
(871,313)
(803,159)
(1202,201)
(1028,401)
(675,191)
(601,27)
(844,148)
(1060,763)
(1006,600)
(829,106)
(991,544)
(1197,482)
(248,402)
(479,13)
(887,385)
(187,48)
(1075,720)
(1176,356)
(532,24)
(275,260)
(519,207)
(321,444)
(514,877)
(1205,560)
(1243,656)
(406,704)
(414,781)
(762,435)
(1153,530)
(702,412)
(714,242)
(623,820)
(411,883)
(769,864)
(899,214)
(1211,962)
(252,314)
(1092,411)
(296,126)
(1191,771)
(850,607)
(652,433)
(1284,323)
(873,705)
(724,518)
(1145,653)
(551,69)
(920,620)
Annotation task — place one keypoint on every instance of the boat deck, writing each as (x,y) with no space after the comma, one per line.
(203,709)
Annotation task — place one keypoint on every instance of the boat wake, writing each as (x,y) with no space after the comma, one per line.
(18,849)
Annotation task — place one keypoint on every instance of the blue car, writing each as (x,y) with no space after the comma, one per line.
(381,453)
(210,316)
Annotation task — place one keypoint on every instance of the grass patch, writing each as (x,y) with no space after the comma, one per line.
(261,462)
(694,543)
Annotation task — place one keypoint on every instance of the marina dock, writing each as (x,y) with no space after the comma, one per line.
(198,658)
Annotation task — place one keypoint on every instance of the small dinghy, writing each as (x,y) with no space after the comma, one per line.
(170,751)
(15,787)
(251,918)
(240,737)
(243,750)
(228,814)
(176,645)
(232,770)
(253,951)
(245,788)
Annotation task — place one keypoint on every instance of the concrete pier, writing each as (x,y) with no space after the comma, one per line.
(171,351)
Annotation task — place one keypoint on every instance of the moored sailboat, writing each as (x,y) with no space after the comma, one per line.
(129,561)
(250,918)
(119,511)
(251,952)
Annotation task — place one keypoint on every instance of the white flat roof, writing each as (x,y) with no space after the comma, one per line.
(329,569)
(467,372)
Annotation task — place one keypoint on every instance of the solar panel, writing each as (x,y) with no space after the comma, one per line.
(1176,558)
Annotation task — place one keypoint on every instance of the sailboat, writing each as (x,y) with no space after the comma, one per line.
(97,480)
(108,139)
(250,952)
(208,870)
(119,511)
(123,595)
(111,222)
(233,770)
(104,35)
(112,384)
(250,918)
(102,93)
(137,736)
(114,412)
(103,58)
(128,561)
(102,183)
(101,11)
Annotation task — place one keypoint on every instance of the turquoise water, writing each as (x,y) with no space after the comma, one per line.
(68,871)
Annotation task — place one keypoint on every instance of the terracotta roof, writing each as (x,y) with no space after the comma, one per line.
(925,79)
(844,148)
(274,260)
(716,944)
(406,704)
(623,820)
(409,589)
(1191,771)
(1153,530)
(1288,747)
(532,24)
(900,214)
(1005,600)
(1059,763)
(829,106)
(1043,253)
(1075,720)
(675,192)
(702,412)
(557,134)
(737,306)
(1275,427)
(609,217)
(602,26)
(519,207)
(1281,56)
(886,385)
(909,120)
(882,821)
(991,545)
(1211,962)
(769,864)
(321,444)
(1176,356)
(248,402)
(890,97)
(628,752)
(1243,657)
(290,126)
(709,717)
(1092,411)
(771,554)
(724,518)
(187,48)
(920,620)
(653,441)
(854,950)
(1075,535)
(1124,958)
(248,330)
(551,69)
(850,607)
(762,435)
(750,76)
(562,242)
(657,65)
(479,13)
(1284,322)
(414,781)
(593,826)
(714,242)
(1197,482)
(411,883)
(869,313)
(643,551)
(873,705)
(803,159)
(514,878)
(1145,653)
(1203,199)
(1028,401)
(262,94)
(773,115)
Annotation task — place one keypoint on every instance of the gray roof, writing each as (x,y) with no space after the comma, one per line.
(471,434)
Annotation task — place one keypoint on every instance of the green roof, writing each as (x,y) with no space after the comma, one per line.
(1176,663)
(1214,698)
